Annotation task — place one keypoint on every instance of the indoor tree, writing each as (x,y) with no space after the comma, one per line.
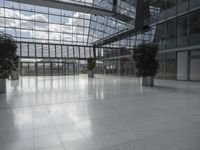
(146,63)
(91,63)
(8,59)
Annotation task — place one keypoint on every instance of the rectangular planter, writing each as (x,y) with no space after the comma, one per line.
(147,81)
(91,74)
(2,85)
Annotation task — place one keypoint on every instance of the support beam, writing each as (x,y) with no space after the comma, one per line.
(120,36)
(76,7)
(142,13)
(139,21)
(114,6)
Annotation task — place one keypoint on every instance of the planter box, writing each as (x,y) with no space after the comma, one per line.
(2,85)
(91,74)
(147,81)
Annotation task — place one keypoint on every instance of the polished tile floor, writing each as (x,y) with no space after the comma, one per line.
(104,113)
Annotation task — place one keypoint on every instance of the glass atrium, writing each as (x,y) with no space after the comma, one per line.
(54,105)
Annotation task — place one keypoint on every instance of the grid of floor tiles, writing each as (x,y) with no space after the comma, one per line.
(104,113)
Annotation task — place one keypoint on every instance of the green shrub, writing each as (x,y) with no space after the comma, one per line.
(8,56)
(145,60)
(91,63)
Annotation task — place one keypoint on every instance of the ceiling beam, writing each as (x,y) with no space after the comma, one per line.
(142,13)
(76,8)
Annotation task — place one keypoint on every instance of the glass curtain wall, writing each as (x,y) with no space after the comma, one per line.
(29,23)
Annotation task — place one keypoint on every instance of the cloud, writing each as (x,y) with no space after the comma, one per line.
(32,28)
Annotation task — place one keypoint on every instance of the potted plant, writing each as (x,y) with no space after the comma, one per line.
(8,57)
(146,63)
(91,63)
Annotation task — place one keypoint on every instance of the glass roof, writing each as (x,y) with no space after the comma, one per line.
(32,23)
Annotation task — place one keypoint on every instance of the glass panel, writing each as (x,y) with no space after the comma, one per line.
(71,53)
(58,51)
(32,71)
(45,50)
(31,50)
(182,65)
(25,68)
(97,52)
(87,52)
(194,3)
(194,69)
(65,53)
(171,34)
(41,9)
(40,69)
(47,69)
(38,50)
(161,70)
(24,49)
(76,51)
(54,19)
(195,28)
(52,51)
(171,65)
(91,52)
(160,36)
(182,5)
(82,54)
(182,31)
(161,10)
(195,53)
(171,7)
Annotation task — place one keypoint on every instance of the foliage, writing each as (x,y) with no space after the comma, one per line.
(91,63)
(145,60)
(8,56)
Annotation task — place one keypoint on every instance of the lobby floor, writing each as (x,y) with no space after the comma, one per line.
(104,113)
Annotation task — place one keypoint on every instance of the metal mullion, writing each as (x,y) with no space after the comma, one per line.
(48,27)
(60,15)
(55,50)
(67,52)
(28,50)
(4,16)
(35,50)
(79,51)
(42,50)
(48,50)
(89,27)
(61,51)
(73,52)
(43,69)
(20,21)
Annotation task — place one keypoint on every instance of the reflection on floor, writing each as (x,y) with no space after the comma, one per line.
(105,113)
